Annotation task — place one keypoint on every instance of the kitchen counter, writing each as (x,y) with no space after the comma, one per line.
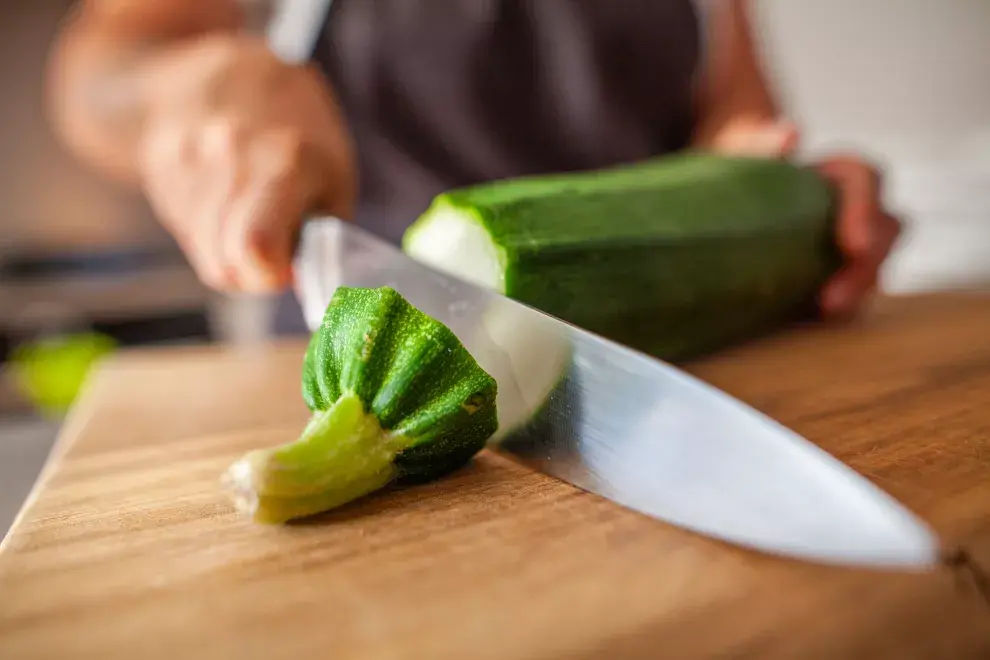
(128,548)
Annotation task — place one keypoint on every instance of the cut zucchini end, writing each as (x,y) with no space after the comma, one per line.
(342,454)
(454,239)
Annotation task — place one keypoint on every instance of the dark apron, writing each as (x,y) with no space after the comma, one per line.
(445,93)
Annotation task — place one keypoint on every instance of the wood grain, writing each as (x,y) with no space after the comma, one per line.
(128,549)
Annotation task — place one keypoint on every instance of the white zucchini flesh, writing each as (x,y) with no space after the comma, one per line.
(455,242)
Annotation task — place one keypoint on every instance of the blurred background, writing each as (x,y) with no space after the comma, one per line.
(85,268)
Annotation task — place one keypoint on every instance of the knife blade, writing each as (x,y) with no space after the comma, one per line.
(630,428)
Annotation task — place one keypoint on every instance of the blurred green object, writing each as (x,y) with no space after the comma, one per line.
(51,371)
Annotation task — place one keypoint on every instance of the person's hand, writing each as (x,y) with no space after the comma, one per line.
(237,149)
(865,231)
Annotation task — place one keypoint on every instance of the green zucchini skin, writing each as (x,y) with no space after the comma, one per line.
(409,370)
(675,256)
(395,398)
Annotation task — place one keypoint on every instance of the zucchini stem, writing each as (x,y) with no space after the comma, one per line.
(341,455)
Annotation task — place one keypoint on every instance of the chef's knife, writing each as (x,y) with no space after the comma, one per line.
(630,428)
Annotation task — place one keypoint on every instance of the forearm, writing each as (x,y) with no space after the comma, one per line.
(732,86)
(102,69)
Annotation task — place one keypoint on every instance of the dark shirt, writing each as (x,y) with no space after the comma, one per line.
(445,93)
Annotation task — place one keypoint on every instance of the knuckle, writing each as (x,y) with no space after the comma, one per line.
(290,145)
(226,132)
(170,144)
(281,155)
(222,138)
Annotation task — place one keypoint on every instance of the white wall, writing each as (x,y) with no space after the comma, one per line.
(906,82)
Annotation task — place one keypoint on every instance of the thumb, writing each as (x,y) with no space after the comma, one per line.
(758,138)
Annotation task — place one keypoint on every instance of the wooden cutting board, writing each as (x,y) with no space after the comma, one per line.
(128,549)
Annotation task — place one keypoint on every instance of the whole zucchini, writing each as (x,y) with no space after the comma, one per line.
(674,256)
(395,396)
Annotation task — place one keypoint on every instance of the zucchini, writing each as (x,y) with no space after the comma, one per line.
(395,398)
(674,256)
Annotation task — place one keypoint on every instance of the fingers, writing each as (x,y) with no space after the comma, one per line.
(864,231)
(262,220)
(169,161)
(858,186)
(760,139)
(221,144)
(856,280)
(256,243)
(232,200)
